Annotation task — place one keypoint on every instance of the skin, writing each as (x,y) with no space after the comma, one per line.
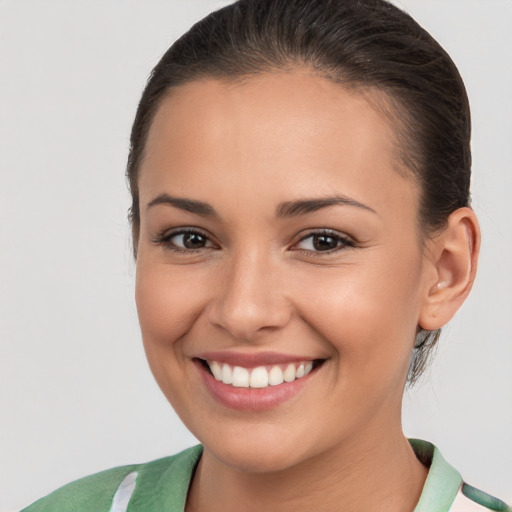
(258,285)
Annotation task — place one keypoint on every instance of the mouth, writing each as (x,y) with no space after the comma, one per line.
(255,381)
(259,377)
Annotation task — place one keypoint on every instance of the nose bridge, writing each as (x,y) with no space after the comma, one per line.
(250,298)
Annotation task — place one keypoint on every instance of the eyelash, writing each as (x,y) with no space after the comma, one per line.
(343,242)
(164,239)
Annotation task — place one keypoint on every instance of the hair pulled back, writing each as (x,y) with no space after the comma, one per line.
(367,45)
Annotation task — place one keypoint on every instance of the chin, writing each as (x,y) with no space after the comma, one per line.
(258,448)
(255,459)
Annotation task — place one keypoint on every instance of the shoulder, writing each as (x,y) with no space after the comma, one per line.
(111,490)
(93,492)
(471,499)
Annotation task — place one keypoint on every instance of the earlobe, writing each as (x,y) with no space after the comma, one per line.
(453,255)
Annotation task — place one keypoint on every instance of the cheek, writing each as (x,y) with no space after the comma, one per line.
(367,312)
(167,304)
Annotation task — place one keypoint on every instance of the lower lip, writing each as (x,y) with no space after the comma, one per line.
(252,399)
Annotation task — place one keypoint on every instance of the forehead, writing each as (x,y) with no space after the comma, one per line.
(300,132)
(295,105)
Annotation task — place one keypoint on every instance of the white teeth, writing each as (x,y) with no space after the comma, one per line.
(216,370)
(289,373)
(240,377)
(275,376)
(227,374)
(258,377)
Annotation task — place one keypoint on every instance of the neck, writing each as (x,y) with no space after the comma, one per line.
(380,474)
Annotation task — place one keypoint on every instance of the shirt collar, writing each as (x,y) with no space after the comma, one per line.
(443,481)
(440,489)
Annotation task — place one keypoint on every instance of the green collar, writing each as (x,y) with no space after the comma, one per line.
(173,480)
(163,484)
(443,481)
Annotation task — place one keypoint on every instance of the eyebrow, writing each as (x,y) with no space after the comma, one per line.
(304,206)
(188,205)
(285,209)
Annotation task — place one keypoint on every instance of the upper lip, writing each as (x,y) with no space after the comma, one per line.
(250,360)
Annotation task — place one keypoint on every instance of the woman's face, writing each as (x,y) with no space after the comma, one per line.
(278,232)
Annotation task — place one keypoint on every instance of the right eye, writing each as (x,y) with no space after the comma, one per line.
(184,240)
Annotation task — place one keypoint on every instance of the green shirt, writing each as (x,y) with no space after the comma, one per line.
(162,486)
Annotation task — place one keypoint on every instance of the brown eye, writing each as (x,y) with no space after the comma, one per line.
(324,242)
(184,240)
(192,240)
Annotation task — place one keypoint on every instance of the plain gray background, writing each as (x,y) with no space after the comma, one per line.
(76,395)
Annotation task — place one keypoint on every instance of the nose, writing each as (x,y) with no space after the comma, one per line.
(249,300)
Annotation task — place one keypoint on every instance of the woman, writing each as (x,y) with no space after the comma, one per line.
(300,181)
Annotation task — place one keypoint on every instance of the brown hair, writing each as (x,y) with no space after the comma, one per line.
(362,44)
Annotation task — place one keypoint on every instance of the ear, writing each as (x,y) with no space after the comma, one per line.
(453,256)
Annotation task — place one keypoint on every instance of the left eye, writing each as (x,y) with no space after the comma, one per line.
(323,242)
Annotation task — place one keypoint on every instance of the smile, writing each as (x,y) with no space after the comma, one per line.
(261,376)
(257,381)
